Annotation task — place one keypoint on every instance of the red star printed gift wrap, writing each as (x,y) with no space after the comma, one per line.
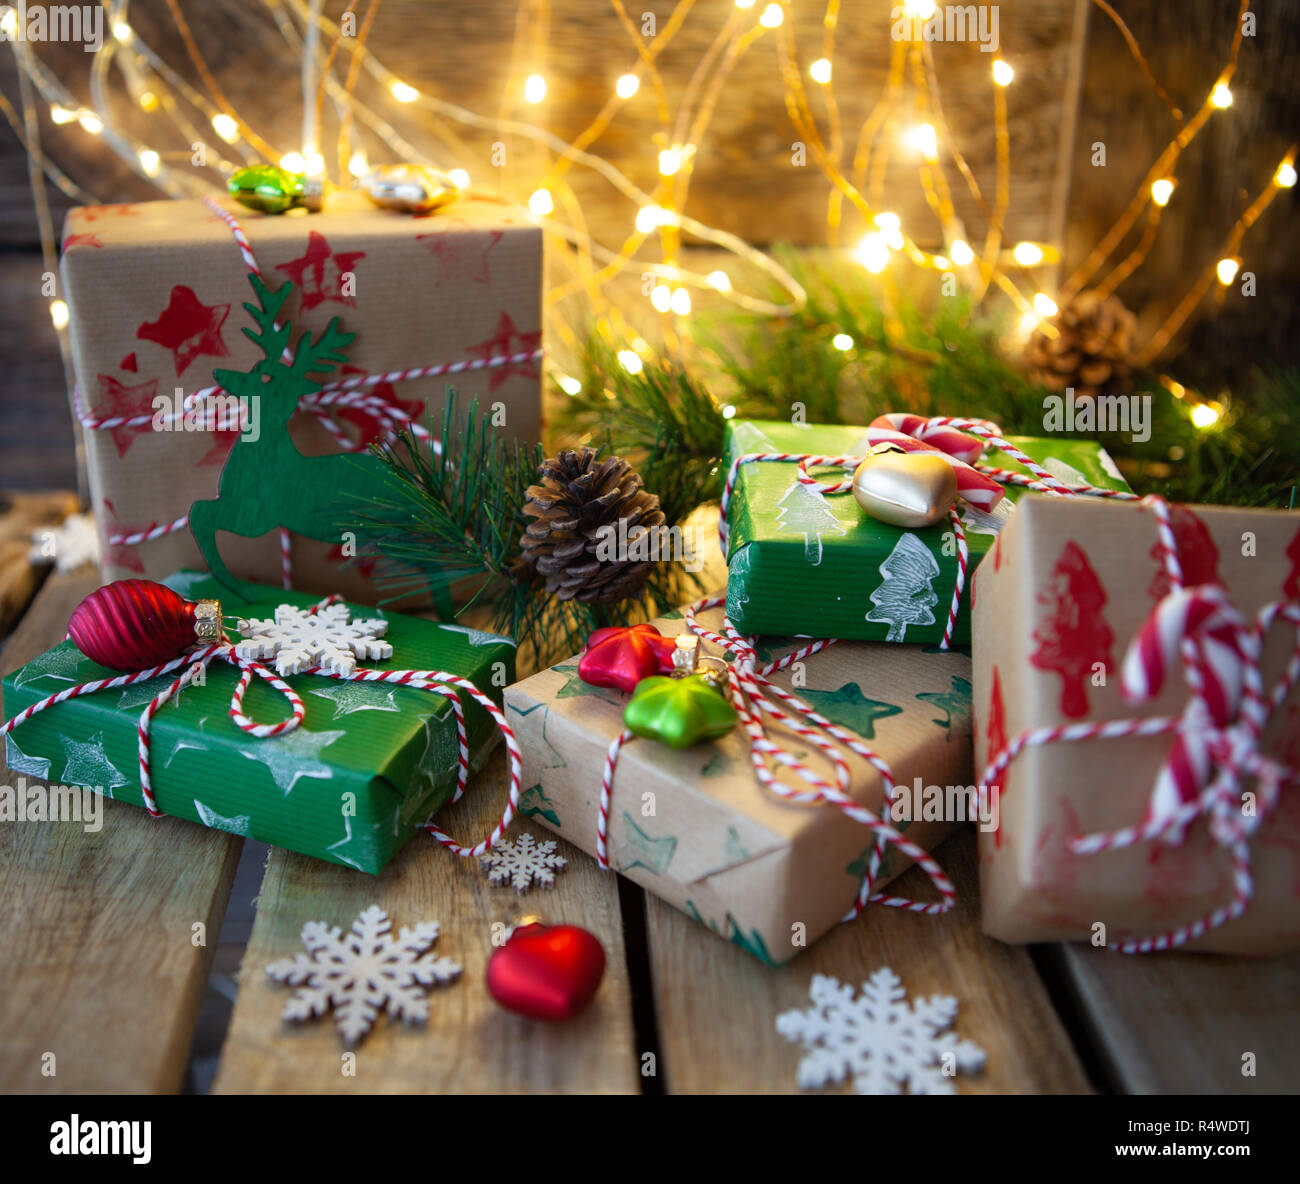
(156,293)
(1070,584)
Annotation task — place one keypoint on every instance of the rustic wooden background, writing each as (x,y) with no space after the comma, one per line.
(1073,75)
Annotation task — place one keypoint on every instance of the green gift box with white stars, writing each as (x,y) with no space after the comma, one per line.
(799,562)
(368,765)
(695,827)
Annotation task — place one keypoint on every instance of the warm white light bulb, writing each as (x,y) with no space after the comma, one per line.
(459,178)
(744,3)
(534,88)
(920,8)
(122,32)
(772,16)
(62,114)
(1285,175)
(1002,72)
(1162,190)
(661,297)
(313,163)
(59,314)
(941,262)
(682,302)
(1044,305)
(1227,270)
(649,218)
(842,341)
(569,385)
(961,253)
(541,203)
(873,252)
(9,23)
(90,122)
(293,162)
(402,92)
(924,139)
(358,166)
(627,86)
(820,71)
(670,160)
(1028,254)
(629,361)
(720,281)
(1221,96)
(150,161)
(1205,415)
(226,127)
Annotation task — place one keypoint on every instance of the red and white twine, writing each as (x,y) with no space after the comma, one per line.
(353,393)
(192,664)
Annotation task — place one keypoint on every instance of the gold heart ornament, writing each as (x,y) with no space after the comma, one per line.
(906,489)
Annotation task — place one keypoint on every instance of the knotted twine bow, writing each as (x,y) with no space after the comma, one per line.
(355,393)
(1216,745)
(196,661)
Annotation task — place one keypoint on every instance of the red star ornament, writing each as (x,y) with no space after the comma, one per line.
(188,328)
(319,273)
(116,399)
(621,657)
(508,341)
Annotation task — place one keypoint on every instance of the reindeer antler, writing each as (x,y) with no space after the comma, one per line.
(324,353)
(272,336)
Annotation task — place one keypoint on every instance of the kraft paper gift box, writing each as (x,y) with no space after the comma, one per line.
(369,764)
(720,847)
(803,563)
(156,293)
(1069,583)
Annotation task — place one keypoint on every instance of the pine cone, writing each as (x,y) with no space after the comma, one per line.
(1091,352)
(576,542)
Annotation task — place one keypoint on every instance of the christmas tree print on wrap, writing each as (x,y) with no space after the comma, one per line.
(802,510)
(955,705)
(1074,635)
(905,597)
(997,737)
(266,482)
(1197,554)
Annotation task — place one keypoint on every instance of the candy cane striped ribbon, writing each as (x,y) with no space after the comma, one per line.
(1216,739)
(755,696)
(352,392)
(192,664)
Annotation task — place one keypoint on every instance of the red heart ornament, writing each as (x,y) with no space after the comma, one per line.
(547,972)
(621,657)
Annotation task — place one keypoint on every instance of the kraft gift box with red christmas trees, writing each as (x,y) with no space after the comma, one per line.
(156,293)
(1086,637)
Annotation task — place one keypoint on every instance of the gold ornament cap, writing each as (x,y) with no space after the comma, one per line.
(411,188)
(907,489)
(207,621)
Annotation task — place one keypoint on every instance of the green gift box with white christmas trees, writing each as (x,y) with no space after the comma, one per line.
(370,762)
(803,562)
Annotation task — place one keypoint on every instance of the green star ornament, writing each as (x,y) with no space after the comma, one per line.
(679,712)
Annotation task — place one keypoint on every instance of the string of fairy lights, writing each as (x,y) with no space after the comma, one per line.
(907,121)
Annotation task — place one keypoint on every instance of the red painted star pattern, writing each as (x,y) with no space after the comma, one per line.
(116,399)
(129,363)
(188,327)
(117,554)
(363,564)
(508,340)
(81,240)
(319,273)
(462,256)
(95,213)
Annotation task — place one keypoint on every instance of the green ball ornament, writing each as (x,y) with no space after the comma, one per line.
(270,189)
(679,712)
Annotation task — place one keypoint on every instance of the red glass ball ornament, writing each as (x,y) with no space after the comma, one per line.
(546,972)
(132,625)
(621,657)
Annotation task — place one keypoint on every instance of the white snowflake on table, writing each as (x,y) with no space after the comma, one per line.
(67,546)
(361,972)
(523,861)
(887,1045)
(298,639)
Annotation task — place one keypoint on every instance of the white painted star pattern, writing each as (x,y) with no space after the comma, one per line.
(522,862)
(351,697)
(293,755)
(361,972)
(298,639)
(87,764)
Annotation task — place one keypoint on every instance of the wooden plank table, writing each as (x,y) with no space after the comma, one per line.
(100,970)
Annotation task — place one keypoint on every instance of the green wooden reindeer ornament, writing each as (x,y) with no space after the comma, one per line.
(266,482)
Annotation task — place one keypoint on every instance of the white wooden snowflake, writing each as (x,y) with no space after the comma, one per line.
(887,1045)
(361,972)
(523,861)
(298,640)
(67,546)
